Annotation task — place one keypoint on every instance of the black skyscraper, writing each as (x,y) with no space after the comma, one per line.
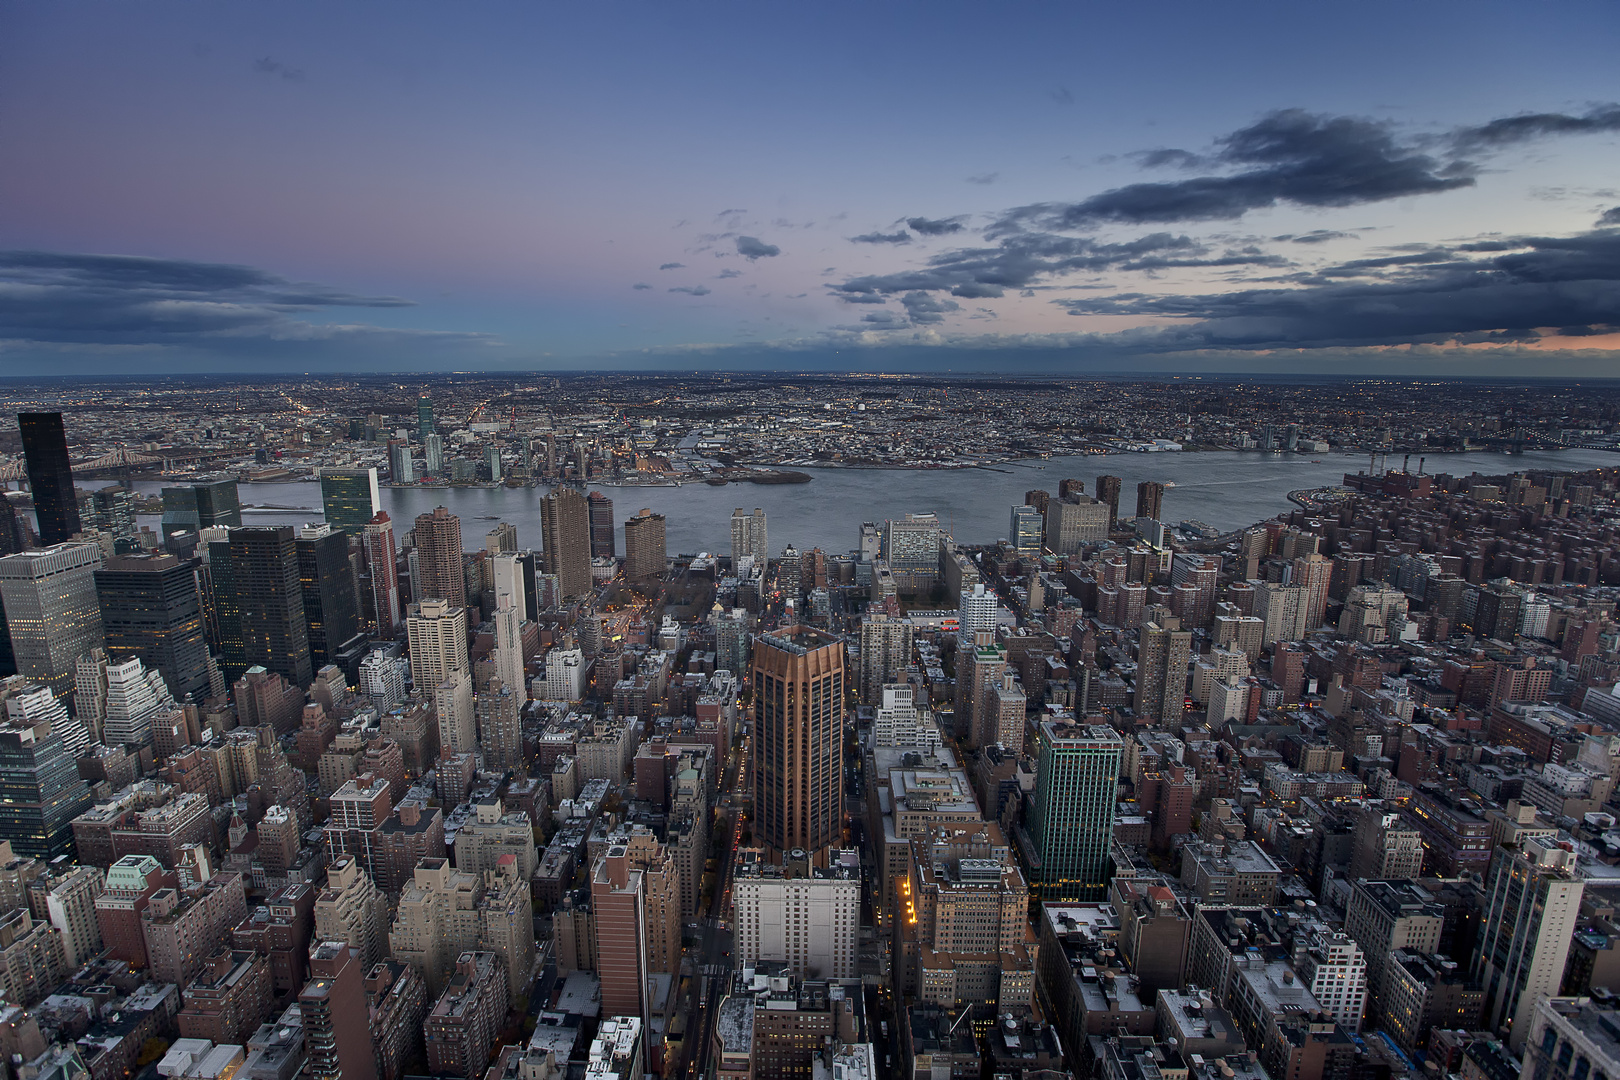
(331,609)
(50,475)
(12,537)
(267,602)
(150,609)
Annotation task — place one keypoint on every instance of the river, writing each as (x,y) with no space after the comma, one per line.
(1225,489)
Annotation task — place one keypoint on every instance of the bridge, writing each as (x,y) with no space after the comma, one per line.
(120,462)
(1515,441)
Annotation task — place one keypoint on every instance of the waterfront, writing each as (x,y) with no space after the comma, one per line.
(1226,490)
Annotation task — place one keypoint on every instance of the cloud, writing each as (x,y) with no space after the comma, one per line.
(1438,296)
(1509,130)
(266,65)
(672,266)
(884,320)
(901,237)
(924,309)
(1291,156)
(935,227)
(1167,158)
(728,273)
(1061,95)
(641,285)
(692,290)
(861,298)
(1315,236)
(983,179)
(1610,217)
(752,247)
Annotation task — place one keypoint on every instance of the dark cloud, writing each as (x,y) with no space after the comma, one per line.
(1022,259)
(1433,297)
(692,290)
(901,237)
(936,226)
(984,179)
(1610,217)
(1517,129)
(923,309)
(1315,236)
(266,65)
(752,247)
(641,285)
(672,266)
(862,298)
(1167,158)
(1287,157)
(728,273)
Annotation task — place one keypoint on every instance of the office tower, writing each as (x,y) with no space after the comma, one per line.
(33,703)
(644,546)
(43,792)
(749,536)
(508,652)
(798,684)
(337,1037)
(269,601)
(1161,671)
(911,544)
(438,553)
(437,637)
(492,461)
(507,571)
(13,535)
(424,419)
(150,609)
(453,704)
(807,919)
(1314,574)
(1150,500)
(401,466)
(136,698)
(351,909)
(433,455)
(565,535)
(1383,847)
(885,654)
(380,599)
(1108,494)
(350,498)
(195,507)
(1532,902)
(1071,819)
(603,542)
(331,609)
(1025,530)
(500,731)
(1073,523)
(49,599)
(50,476)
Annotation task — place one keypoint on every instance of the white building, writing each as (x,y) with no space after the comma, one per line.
(509,647)
(453,701)
(382,678)
(811,922)
(978,610)
(1336,971)
(565,675)
(900,723)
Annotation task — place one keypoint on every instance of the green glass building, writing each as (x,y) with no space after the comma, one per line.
(350,498)
(194,507)
(1071,826)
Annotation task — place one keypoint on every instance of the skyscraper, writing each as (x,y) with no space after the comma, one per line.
(50,475)
(1074,522)
(195,507)
(749,535)
(603,543)
(331,609)
(269,600)
(1315,573)
(798,677)
(401,466)
(507,572)
(337,1037)
(437,633)
(644,555)
(1532,902)
(565,535)
(1161,671)
(1025,529)
(150,609)
(885,654)
(1108,494)
(1150,500)
(499,712)
(438,552)
(13,538)
(350,498)
(380,600)
(52,614)
(1071,821)
(433,455)
(424,418)
(42,791)
(508,653)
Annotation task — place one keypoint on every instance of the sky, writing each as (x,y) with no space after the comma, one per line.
(1389,188)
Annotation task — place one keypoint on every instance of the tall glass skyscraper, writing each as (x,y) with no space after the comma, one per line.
(350,498)
(602,539)
(40,791)
(424,418)
(269,605)
(1071,825)
(52,613)
(50,475)
(331,609)
(150,609)
(194,507)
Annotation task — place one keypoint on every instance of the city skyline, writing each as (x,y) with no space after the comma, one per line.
(1050,191)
